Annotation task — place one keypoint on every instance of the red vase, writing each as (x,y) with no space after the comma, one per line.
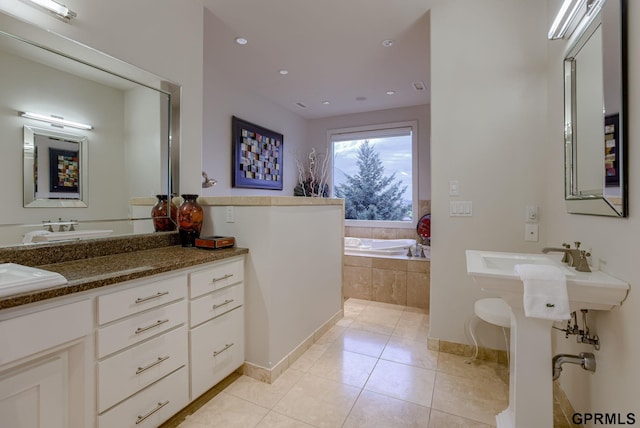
(164,217)
(189,220)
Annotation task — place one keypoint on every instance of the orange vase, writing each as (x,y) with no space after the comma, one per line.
(164,214)
(190,218)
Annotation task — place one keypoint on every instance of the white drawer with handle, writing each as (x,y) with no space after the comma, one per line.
(218,275)
(217,349)
(130,331)
(151,406)
(215,304)
(126,373)
(140,298)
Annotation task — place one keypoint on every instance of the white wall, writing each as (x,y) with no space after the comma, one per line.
(615,385)
(145,151)
(317,135)
(227,93)
(488,123)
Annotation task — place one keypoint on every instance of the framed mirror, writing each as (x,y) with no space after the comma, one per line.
(112,170)
(55,169)
(595,113)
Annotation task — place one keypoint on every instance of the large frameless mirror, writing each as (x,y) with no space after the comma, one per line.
(595,114)
(106,175)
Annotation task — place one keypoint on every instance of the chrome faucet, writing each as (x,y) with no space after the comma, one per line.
(574,257)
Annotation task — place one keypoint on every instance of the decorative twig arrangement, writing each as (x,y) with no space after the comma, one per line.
(312,176)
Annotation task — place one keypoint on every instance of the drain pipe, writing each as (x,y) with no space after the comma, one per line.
(585,359)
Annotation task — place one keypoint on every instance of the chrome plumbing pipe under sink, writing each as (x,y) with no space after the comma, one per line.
(585,359)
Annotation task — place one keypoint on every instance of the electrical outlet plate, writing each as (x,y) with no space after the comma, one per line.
(531,232)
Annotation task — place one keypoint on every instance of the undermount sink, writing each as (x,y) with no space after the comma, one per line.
(530,380)
(493,271)
(46,236)
(15,278)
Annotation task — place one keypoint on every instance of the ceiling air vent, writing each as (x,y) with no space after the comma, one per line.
(419,86)
(301,105)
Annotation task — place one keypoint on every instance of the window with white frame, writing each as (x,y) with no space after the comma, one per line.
(375,171)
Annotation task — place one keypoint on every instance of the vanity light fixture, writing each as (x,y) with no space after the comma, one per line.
(56,8)
(55,120)
(566,15)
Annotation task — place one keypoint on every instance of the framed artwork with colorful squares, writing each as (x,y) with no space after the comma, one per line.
(257,156)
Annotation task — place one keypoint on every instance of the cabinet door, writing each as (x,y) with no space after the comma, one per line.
(217,349)
(35,397)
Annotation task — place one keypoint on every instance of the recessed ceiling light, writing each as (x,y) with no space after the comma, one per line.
(361,98)
(387,43)
(284,72)
(241,41)
(391,92)
(326,103)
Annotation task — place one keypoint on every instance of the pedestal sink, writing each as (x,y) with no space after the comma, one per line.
(530,381)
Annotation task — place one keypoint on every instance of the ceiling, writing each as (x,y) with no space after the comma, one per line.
(333,51)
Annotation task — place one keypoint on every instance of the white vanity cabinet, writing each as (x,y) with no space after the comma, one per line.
(44,366)
(216,335)
(129,355)
(142,349)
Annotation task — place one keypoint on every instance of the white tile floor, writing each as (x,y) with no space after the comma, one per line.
(372,369)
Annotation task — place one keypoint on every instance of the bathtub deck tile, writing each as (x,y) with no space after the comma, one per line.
(389,286)
(357,282)
(358,261)
(391,264)
(420,265)
(418,290)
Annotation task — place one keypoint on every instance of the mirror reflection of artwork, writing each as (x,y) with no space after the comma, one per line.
(55,168)
(611,159)
(64,172)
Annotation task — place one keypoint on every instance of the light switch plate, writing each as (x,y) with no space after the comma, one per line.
(230,214)
(460,209)
(454,188)
(532,213)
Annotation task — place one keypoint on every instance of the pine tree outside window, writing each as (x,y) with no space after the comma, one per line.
(375,171)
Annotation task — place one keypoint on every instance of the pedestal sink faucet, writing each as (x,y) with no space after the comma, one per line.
(574,257)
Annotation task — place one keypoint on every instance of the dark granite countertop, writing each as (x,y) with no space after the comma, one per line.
(108,267)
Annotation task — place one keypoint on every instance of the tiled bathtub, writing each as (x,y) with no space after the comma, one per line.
(399,280)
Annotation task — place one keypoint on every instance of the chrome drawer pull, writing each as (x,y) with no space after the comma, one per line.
(155,296)
(156,324)
(155,363)
(216,353)
(226,302)
(158,407)
(222,278)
